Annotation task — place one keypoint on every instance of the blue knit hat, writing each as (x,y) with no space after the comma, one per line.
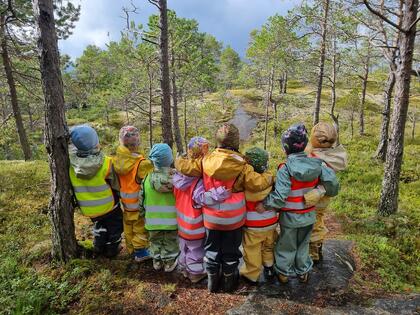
(161,155)
(84,138)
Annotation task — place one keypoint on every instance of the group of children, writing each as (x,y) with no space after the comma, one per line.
(197,215)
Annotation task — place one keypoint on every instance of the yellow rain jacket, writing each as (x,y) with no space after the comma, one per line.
(124,161)
(225,165)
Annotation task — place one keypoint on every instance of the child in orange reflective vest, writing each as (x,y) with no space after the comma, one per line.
(297,176)
(224,167)
(323,145)
(131,168)
(260,232)
(190,196)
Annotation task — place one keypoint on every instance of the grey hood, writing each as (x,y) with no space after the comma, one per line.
(86,167)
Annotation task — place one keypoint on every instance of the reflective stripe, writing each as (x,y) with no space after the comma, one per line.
(129,195)
(92,189)
(255,216)
(228,206)
(93,203)
(190,220)
(161,221)
(299,192)
(157,209)
(134,205)
(294,205)
(223,221)
(200,230)
(196,267)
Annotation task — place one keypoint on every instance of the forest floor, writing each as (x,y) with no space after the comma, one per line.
(383,251)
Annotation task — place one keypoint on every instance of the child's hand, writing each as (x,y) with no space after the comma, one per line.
(314,196)
(260,208)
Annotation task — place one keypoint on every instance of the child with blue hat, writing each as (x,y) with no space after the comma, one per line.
(96,189)
(158,204)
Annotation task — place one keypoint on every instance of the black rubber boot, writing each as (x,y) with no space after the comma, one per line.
(268,273)
(230,281)
(213,282)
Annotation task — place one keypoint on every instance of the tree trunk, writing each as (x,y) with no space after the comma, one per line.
(386,113)
(268,102)
(284,85)
(150,107)
(413,126)
(388,203)
(185,125)
(321,64)
(164,72)
(177,130)
(364,89)
(12,90)
(333,91)
(64,245)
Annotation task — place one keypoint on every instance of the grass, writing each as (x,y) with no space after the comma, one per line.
(30,283)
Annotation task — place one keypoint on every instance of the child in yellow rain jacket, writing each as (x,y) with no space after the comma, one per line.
(260,232)
(131,168)
(322,145)
(224,167)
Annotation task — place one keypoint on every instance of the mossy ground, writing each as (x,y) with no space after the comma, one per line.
(30,283)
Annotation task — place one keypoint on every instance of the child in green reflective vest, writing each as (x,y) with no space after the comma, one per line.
(158,204)
(96,189)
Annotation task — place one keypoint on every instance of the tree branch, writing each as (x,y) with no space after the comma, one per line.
(383,17)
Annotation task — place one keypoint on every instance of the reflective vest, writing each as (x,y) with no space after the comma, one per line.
(129,189)
(160,208)
(94,195)
(190,219)
(259,220)
(228,215)
(295,202)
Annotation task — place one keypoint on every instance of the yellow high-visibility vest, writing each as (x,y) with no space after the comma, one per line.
(94,195)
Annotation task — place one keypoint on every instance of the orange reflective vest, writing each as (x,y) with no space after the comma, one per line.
(129,189)
(295,202)
(190,219)
(259,220)
(228,215)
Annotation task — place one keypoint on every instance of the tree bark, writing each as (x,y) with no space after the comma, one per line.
(64,245)
(364,89)
(185,124)
(175,116)
(12,90)
(386,113)
(164,72)
(413,126)
(284,85)
(267,106)
(150,106)
(324,25)
(388,203)
(333,91)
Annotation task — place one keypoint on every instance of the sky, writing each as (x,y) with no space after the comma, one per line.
(230,21)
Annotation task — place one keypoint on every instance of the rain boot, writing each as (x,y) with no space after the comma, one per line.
(230,281)
(213,281)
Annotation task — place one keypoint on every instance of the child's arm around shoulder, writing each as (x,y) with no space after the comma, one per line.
(329,180)
(277,198)
(189,167)
(254,181)
(145,167)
